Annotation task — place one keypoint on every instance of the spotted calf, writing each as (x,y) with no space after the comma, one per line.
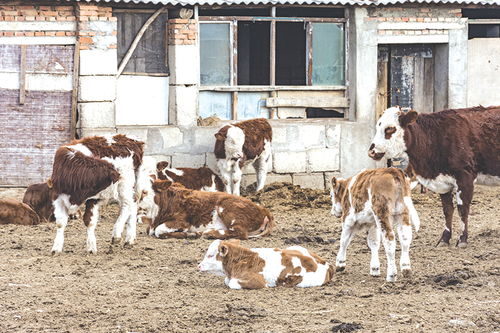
(180,213)
(265,267)
(15,212)
(201,179)
(378,201)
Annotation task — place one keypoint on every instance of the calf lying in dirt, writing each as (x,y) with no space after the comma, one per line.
(265,267)
(15,212)
(180,213)
(377,200)
(201,179)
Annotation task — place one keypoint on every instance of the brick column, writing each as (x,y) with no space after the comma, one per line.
(96,33)
(184,65)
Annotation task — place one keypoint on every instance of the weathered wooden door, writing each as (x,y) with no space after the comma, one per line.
(36,83)
(406,77)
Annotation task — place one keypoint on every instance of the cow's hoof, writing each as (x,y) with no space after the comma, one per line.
(375,272)
(442,243)
(406,273)
(116,240)
(55,252)
(461,244)
(391,278)
(340,268)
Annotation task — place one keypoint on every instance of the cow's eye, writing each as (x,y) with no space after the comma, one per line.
(389,131)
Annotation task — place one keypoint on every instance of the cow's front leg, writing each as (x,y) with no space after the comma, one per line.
(464,199)
(236,178)
(232,232)
(373,240)
(225,171)
(447,202)
(90,218)
(260,166)
(131,225)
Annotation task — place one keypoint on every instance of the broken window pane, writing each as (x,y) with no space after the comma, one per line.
(215,54)
(253,53)
(213,103)
(328,54)
(290,54)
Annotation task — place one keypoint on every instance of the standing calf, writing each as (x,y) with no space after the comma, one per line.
(265,267)
(240,144)
(378,200)
(92,170)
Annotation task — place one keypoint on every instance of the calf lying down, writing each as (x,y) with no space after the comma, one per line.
(182,213)
(201,179)
(15,212)
(265,267)
(378,201)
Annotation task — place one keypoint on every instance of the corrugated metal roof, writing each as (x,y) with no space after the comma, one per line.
(302,2)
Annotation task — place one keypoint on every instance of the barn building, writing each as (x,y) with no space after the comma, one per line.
(320,70)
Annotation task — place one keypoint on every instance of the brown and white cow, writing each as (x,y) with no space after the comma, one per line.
(447,151)
(15,212)
(379,201)
(240,144)
(201,179)
(265,267)
(182,213)
(92,170)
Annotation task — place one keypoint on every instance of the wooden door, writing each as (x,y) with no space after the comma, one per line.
(406,77)
(36,83)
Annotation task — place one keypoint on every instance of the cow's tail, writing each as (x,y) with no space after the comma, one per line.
(414,219)
(265,229)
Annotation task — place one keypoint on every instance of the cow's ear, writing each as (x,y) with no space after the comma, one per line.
(219,136)
(223,250)
(334,182)
(406,118)
(161,185)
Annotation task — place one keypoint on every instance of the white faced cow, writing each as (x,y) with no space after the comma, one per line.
(447,151)
(240,144)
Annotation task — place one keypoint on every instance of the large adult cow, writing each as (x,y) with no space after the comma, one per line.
(447,151)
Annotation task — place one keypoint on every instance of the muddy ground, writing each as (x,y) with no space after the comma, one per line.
(155,286)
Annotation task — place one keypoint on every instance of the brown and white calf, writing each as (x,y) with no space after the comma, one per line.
(265,267)
(379,201)
(201,179)
(15,212)
(180,212)
(93,170)
(447,151)
(240,144)
(39,198)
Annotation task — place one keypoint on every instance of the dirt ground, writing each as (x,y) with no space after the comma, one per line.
(156,287)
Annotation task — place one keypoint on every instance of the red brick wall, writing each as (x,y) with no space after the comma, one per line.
(182,31)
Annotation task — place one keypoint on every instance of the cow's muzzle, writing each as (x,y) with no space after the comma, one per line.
(373,154)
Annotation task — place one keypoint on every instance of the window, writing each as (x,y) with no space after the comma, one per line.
(246,56)
(150,55)
(483,23)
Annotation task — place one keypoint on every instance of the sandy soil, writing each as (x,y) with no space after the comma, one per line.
(155,286)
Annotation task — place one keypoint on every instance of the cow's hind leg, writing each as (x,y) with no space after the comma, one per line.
(232,232)
(127,203)
(373,240)
(90,218)
(61,205)
(389,241)
(348,231)
(447,202)
(405,237)
(464,199)
(131,225)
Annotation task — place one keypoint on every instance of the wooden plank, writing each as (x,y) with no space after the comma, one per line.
(269,88)
(309,52)
(331,102)
(418,85)
(272,56)
(22,76)
(281,19)
(273,111)
(74,93)
(429,84)
(382,82)
(234,109)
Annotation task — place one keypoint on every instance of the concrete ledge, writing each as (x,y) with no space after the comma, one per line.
(271,178)
(83,132)
(309,180)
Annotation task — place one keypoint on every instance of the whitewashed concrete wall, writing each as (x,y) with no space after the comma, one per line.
(483,71)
